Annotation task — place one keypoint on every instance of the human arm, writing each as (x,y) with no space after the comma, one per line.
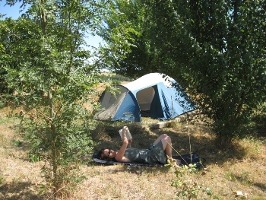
(121,152)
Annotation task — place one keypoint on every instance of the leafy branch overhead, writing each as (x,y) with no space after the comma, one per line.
(214,49)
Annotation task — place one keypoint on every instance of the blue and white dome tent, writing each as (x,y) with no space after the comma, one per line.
(153,95)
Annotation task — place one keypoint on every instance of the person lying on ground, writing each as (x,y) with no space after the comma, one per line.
(158,153)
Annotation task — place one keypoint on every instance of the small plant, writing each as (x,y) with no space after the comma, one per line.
(64,182)
(251,145)
(258,119)
(188,188)
(2,104)
(1,180)
(244,178)
(17,143)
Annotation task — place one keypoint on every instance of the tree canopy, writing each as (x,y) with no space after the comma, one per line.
(45,69)
(215,49)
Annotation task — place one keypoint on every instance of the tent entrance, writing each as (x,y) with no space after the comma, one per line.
(149,102)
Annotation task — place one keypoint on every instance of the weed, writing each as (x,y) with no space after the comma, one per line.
(17,143)
(3,120)
(251,145)
(62,185)
(1,180)
(244,178)
(187,187)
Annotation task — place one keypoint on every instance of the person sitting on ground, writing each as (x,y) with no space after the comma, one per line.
(158,153)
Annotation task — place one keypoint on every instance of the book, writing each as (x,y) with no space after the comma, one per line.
(127,132)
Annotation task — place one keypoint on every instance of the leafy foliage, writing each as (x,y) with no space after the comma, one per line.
(187,188)
(45,68)
(213,49)
(122,29)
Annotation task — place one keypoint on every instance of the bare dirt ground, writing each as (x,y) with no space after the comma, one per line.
(237,172)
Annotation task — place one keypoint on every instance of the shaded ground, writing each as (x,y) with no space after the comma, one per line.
(186,138)
(238,168)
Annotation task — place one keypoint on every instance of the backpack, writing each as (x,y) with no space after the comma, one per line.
(192,158)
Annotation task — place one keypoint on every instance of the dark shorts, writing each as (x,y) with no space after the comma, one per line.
(157,154)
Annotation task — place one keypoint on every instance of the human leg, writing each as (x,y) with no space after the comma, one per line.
(158,139)
(167,144)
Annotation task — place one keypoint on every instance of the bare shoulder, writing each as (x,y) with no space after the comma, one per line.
(122,159)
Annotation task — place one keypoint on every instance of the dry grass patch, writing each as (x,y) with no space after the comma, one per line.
(19,177)
(240,167)
(121,182)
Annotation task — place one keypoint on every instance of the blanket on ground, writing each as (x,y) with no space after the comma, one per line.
(186,159)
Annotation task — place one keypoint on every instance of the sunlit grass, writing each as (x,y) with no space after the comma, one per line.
(251,145)
(244,178)
(226,171)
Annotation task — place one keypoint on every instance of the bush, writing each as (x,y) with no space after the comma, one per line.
(259,119)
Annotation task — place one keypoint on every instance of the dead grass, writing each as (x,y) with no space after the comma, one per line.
(242,167)
(19,177)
